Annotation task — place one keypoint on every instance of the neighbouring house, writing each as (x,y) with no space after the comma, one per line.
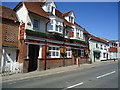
(114,48)
(9,42)
(98,48)
(48,37)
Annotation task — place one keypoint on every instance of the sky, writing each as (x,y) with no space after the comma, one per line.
(98,18)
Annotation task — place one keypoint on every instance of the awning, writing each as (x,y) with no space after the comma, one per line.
(97,51)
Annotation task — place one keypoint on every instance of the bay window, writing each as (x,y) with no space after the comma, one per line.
(77,33)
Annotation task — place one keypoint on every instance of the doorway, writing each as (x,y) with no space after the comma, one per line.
(33,56)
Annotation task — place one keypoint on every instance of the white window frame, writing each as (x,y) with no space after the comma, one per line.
(69,52)
(55,51)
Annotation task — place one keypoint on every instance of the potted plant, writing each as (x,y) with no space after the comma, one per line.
(63,52)
(47,51)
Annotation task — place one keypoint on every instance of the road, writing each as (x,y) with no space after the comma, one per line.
(103,76)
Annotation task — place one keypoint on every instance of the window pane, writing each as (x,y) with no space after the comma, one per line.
(36,24)
(53,48)
(53,53)
(57,54)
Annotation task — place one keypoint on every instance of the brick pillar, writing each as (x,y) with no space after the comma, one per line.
(44,56)
(23,55)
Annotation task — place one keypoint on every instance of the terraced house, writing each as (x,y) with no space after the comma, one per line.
(98,48)
(9,40)
(114,48)
(49,38)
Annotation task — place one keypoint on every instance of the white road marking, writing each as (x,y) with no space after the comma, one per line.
(73,86)
(105,74)
(38,75)
(12,83)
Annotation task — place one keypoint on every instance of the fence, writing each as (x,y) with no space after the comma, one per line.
(12,68)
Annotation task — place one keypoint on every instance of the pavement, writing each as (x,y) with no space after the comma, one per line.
(96,75)
(22,76)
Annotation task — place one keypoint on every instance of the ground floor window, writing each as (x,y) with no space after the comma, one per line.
(68,50)
(82,53)
(104,55)
(54,52)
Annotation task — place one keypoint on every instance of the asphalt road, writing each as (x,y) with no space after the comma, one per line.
(103,76)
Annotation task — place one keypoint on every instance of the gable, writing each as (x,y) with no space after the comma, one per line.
(71,14)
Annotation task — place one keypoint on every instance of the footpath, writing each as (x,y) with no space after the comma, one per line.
(21,76)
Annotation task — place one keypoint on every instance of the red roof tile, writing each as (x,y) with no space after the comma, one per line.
(78,25)
(66,14)
(8,13)
(35,7)
(98,39)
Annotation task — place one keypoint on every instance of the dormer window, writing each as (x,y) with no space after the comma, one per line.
(50,9)
(71,19)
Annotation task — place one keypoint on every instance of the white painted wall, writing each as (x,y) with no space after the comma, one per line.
(51,3)
(8,58)
(22,14)
(92,46)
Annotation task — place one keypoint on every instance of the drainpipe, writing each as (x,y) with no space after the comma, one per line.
(45,55)
(89,50)
(64,55)
(45,58)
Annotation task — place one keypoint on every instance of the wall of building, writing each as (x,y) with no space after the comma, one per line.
(0,43)
(8,59)
(10,33)
(22,17)
(92,46)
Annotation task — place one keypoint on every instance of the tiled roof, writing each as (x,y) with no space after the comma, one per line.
(113,49)
(98,39)
(66,14)
(35,7)
(67,23)
(59,14)
(8,13)
(78,25)
(85,32)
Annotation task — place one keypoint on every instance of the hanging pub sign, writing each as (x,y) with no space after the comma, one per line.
(22,29)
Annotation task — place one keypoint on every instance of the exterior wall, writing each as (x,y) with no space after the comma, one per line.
(92,46)
(70,14)
(0,43)
(44,7)
(22,17)
(9,45)
(113,55)
(114,50)
(10,33)
(42,22)
(9,61)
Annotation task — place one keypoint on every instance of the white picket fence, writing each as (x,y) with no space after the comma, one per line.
(12,68)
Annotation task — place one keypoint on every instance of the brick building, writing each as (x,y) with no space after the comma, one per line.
(9,42)
(114,49)
(48,37)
